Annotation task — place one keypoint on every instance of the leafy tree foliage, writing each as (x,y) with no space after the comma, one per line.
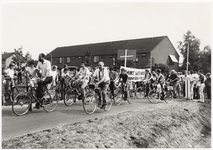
(20,57)
(198,60)
(204,62)
(164,68)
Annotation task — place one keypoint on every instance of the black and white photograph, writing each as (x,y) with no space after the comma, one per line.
(106,74)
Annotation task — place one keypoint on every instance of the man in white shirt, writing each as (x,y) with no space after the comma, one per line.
(83,77)
(102,75)
(46,78)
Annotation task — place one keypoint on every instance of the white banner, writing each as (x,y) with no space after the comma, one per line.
(135,74)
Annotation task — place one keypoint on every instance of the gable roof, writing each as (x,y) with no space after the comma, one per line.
(7,55)
(142,45)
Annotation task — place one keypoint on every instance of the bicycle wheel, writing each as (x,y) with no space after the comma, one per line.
(69,97)
(89,103)
(153,97)
(50,101)
(13,93)
(168,96)
(21,103)
(140,92)
(132,96)
(118,97)
(108,102)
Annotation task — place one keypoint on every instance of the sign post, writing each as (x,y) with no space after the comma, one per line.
(187,82)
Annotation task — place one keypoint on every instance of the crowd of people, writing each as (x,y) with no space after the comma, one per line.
(44,74)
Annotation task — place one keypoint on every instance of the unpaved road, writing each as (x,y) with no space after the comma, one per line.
(13,126)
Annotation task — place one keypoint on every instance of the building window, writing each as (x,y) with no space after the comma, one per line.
(68,59)
(143,55)
(96,59)
(137,58)
(60,60)
(113,61)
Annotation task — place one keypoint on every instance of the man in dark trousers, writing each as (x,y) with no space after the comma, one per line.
(46,78)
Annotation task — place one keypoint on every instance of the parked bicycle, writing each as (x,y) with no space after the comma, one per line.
(24,100)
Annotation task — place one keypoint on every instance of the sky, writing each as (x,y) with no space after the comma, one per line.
(40,27)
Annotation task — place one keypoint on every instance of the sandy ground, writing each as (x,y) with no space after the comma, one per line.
(179,124)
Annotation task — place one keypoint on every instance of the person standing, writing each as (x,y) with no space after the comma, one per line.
(208,85)
(9,77)
(192,82)
(173,79)
(202,85)
(45,67)
(147,80)
(196,86)
(19,75)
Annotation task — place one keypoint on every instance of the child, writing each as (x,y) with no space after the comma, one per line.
(54,75)
(9,76)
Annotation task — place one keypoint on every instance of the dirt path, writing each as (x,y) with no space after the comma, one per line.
(177,125)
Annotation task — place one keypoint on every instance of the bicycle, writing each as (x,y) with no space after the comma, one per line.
(23,101)
(155,93)
(141,90)
(120,95)
(72,92)
(117,88)
(68,99)
(92,99)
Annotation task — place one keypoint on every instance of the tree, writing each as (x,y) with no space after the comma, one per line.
(198,60)
(205,59)
(18,57)
(189,40)
(164,68)
(28,56)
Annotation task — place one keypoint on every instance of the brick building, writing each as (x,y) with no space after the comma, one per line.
(160,48)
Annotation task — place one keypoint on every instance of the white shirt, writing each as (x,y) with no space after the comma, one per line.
(84,73)
(45,68)
(30,70)
(10,72)
(65,74)
(102,74)
(54,75)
